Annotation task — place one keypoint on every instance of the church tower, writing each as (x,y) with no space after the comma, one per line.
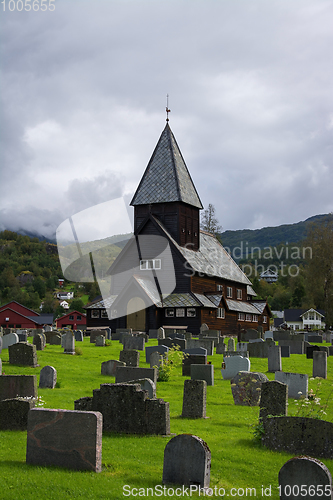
(166,191)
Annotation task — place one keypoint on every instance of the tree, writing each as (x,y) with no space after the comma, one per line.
(77,305)
(319,268)
(209,221)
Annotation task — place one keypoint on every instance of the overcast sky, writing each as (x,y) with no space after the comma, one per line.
(84,94)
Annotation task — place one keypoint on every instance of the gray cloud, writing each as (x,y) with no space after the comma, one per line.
(250,95)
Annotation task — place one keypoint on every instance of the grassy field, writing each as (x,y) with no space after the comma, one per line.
(238,460)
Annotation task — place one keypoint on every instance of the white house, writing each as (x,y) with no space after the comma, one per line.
(64,304)
(304,319)
(65,295)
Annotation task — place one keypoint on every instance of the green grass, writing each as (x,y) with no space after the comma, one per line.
(238,461)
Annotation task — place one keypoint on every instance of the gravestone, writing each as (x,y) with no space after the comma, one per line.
(96,333)
(181,343)
(14,413)
(203,372)
(160,333)
(22,386)
(325,348)
(126,408)
(55,340)
(253,341)
(48,328)
(268,335)
(231,344)
(110,367)
(187,461)
(285,351)
(259,349)
(250,333)
(9,339)
(196,350)
(152,333)
(146,384)
(310,350)
(69,342)
(23,353)
(206,344)
(296,346)
(204,328)
(161,349)
(155,359)
(274,359)
(126,373)
(100,341)
(130,358)
(78,335)
(0,344)
(221,348)
(194,399)
(192,359)
(305,478)
(234,364)
(319,368)
(297,384)
(48,377)
(22,335)
(0,366)
(273,399)
(188,335)
(65,438)
(38,341)
(246,388)
(315,338)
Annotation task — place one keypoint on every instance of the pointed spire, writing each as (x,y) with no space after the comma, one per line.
(166,178)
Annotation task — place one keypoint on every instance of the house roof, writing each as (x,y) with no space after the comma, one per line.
(166,178)
(11,305)
(250,290)
(71,313)
(241,306)
(211,258)
(42,319)
(295,314)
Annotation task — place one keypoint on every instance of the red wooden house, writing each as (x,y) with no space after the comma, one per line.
(73,319)
(15,315)
(210,286)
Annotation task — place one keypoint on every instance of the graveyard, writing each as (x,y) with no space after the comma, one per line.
(132,463)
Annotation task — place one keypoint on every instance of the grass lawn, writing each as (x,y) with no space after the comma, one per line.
(238,461)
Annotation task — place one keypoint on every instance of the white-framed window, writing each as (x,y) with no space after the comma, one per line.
(239,294)
(95,313)
(190,312)
(148,264)
(229,291)
(220,313)
(264,319)
(180,312)
(241,316)
(255,317)
(248,317)
(311,316)
(219,288)
(170,312)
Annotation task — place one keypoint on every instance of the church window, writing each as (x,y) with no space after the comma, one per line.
(220,313)
(104,313)
(95,313)
(241,316)
(147,264)
(239,294)
(169,312)
(255,317)
(219,288)
(191,312)
(229,291)
(180,312)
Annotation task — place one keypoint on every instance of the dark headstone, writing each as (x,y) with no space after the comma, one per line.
(246,388)
(192,359)
(14,413)
(273,399)
(194,400)
(64,438)
(48,377)
(310,350)
(187,461)
(130,357)
(110,367)
(126,373)
(22,386)
(23,353)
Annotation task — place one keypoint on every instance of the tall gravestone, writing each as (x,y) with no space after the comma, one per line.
(319,364)
(274,359)
(234,364)
(187,461)
(161,333)
(14,413)
(155,359)
(274,399)
(297,383)
(38,341)
(69,343)
(110,367)
(9,339)
(305,478)
(48,377)
(231,344)
(194,399)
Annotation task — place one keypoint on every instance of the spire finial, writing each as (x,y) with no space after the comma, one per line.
(167,108)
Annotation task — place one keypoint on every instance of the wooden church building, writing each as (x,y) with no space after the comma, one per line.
(209,287)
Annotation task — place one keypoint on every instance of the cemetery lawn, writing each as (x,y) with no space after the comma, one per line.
(238,460)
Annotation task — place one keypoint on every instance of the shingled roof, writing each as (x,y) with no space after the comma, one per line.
(166,178)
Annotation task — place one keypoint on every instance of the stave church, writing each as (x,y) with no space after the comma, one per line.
(203,284)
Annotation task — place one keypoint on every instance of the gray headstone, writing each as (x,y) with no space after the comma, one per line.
(65,438)
(296,346)
(203,372)
(130,357)
(100,341)
(155,359)
(9,339)
(315,338)
(146,385)
(297,384)
(56,340)
(126,373)
(231,344)
(285,351)
(78,335)
(133,342)
(196,350)
(162,349)
(246,388)
(204,327)
(192,359)
(234,364)
(194,399)
(23,353)
(187,460)
(221,348)
(274,359)
(274,399)
(38,341)
(48,377)
(319,364)
(69,342)
(305,478)
(160,333)
(152,333)
(110,367)
(206,344)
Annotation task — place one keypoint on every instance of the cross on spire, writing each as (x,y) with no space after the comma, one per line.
(167,108)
